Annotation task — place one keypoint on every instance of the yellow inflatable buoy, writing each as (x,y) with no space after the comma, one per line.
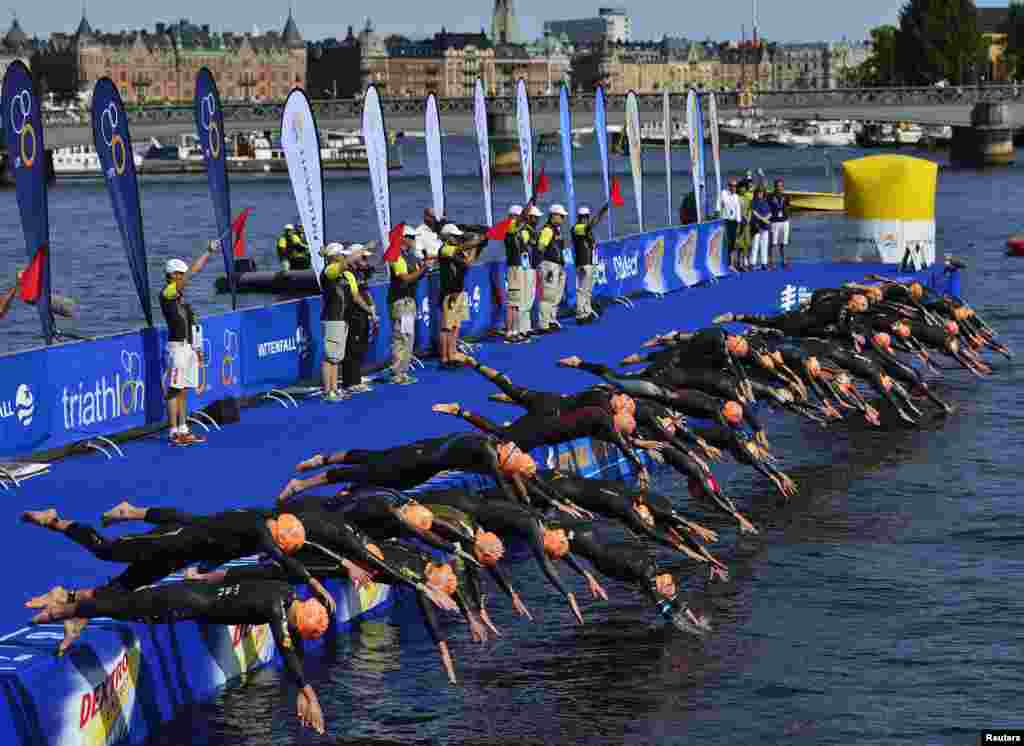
(890,209)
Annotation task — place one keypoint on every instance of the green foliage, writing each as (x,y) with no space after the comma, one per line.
(881,67)
(939,40)
(1014,54)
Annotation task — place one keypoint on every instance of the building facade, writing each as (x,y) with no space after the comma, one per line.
(611,25)
(15,45)
(800,66)
(161,66)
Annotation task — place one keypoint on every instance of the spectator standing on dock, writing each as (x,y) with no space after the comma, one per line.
(455,258)
(333,318)
(184,353)
(732,214)
(406,272)
(361,315)
(779,203)
(292,250)
(760,228)
(551,246)
(585,250)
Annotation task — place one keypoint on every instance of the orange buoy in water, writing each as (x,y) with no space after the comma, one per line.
(1015,245)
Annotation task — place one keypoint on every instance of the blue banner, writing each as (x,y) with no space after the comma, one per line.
(117,159)
(24,403)
(219,339)
(23,135)
(601,135)
(716,263)
(210,130)
(277,345)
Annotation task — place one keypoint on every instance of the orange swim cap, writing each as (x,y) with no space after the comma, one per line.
(623,403)
(376,552)
(418,515)
(310,619)
(777,357)
(857,303)
(737,345)
(767,361)
(488,548)
(289,533)
(625,423)
(886,382)
(916,290)
(665,585)
(902,329)
(883,340)
(960,313)
(556,543)
(441,577)
(952,328)
(733,413)
(875,293)
(644,512)
(813,366)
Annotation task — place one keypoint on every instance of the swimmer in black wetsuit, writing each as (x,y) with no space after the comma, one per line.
(181,541)
(509,519)
(710,347)
(613,499)
(535,430)
(882,354)
(629,562)
(547,402)
(745,452)
(253,602)
(407,466)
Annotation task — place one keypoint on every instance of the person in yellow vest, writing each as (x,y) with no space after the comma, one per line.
(454,259)
(406,272)
(527,235)
(333,319)
(551,246)
(292,250)
(514,268)
(183,349)
(585,254)
(361,315)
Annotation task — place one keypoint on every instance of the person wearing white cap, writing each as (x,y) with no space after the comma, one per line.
(552,248)
(406,272)
(515,262)
(184,358)
(454,260)
(530,259)
(332,317)
(585,253)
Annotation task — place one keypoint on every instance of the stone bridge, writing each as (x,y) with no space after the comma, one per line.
(950,105)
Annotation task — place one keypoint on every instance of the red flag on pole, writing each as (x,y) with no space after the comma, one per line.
(543,183)
(395,243)
(499,231)
(238,232)
(616,193)
(31,281)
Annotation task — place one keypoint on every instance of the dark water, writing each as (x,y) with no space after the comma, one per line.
(884,606)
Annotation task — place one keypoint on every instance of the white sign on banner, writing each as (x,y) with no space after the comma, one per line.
(301,144)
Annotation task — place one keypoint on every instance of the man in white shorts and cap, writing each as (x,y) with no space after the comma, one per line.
(551,245)
(183,349)
(332,318)
(514,263)
(528,235)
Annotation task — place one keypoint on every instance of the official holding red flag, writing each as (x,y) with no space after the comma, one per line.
(585,254)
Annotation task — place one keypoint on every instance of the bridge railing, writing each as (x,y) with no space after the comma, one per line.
(781,99)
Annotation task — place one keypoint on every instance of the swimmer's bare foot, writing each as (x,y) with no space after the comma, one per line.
(122,512)
(56,595)
(41,518)
(72,631)
(313,462)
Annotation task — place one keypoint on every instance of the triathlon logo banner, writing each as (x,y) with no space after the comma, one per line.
(210,130)
(23,135)
(117,160)
(483,142)
(435,161)
(376,140)
(601,136)
(525,136)
(300,140)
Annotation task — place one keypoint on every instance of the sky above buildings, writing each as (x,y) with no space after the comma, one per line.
(782,20)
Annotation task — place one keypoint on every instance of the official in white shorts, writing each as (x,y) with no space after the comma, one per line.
(183,348)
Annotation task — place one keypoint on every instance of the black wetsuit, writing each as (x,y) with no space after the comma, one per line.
(181,539)
(549,402)
(507,520)
(706,348)
(241,601)
(857,364)
(407,466)
(626,561)
(535,430)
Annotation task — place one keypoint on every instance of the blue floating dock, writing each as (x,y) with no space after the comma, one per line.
(121,681)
